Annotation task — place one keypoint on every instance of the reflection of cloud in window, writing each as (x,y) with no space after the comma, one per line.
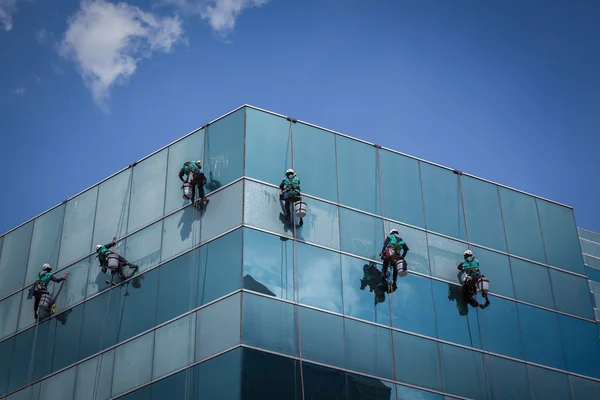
(327,231)
(269,269)
(319,281)
(358,303)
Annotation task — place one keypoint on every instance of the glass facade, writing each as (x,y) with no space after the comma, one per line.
(232,301)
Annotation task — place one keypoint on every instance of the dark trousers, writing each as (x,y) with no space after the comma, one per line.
(197,182)
(289,201)
(37,296)
(386,265)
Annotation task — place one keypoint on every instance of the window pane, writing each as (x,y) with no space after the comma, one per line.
(138,308)
(45,242)
(571,294)
(445,255)
(541,336)
(311,144)
(13,261)
(221,267)
(581,345)
(143,248)
(507,379)
(496,268)
(547,384)
(224,152)
(133,364)
(408,393)
(113,208)
(62,345)
(26,317)
(267,134)
(98,332)
(77,227)
(357,162)
(484,217)
(74,287)
(323,383)
(223,212)
(417,361)
(501,328)
(418,255)
(6,349)
(266,376)
(27,393)
(262,209)
(443,203)
(328,349)
(360,234)
(412,305)
(59,387)
(148,183)
(180,231)
(188,149)
(402,196)
(269,324)
(532,283)
(363,297)
(174,387)
(584,389)
(463,372)
(95,378)
(19,370)
(360,387)
(140,394)
(522,226)
(174,346)
(213,383)
(456,320)
(319,278)
(268,264)
(368,349)
(218,327)
(321,224)
(9,312)
(175,284)
(560,236)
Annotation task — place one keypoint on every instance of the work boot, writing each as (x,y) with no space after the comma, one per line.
(392,288)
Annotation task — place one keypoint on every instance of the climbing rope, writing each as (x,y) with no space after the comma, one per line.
(191,297)
(101,356)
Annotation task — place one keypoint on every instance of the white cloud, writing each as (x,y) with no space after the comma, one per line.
(220,14)
(20,91)
(7,9)
(108,40)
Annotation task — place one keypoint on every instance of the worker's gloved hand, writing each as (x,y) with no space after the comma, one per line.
(65,275)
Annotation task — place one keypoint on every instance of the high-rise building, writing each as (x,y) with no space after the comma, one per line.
(233,301)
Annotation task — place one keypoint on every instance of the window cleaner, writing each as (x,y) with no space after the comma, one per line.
(109,260)
(390,254)
(472,279)
(194,179)
(42,299)
(291,194)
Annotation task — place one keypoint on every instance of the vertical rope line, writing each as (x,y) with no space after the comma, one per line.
(101,357)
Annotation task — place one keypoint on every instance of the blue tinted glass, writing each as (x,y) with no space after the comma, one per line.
(417,361)
(456,320)
(268,264)
(220,268)
(59,387)
(319,277)
(25,311)
(443,204)
(143,248)
(360,234)
(27,393)
(581,345)
(590,248)
(507,379)
(311,144)
(212,383)
(532,283)
(368,349)
(584,389)
(77,227)
(174,346)
(9,313)
(218,327)
(328,349)
(501,327)
(560,236)
(416,240)
(496,268)
(138,310)
(45,242)
(180,231)
(133,364)
(223,213)
(325,383)
(571,294)
(175,386)
(6,349)
(112,210)
(363,297)
(63,342)
(402,196)
(148,183)
(13,261)
(408,393)
(178,284)
(140,394)
(189,149)
(547,384)
(463,372)
(267,134)
(262,209)
(224,151)
(73,289)
(522,226)
(19,370)
(361,387)
(321,224)
(269,324)
(541,336)
(357,165)
(99,332)
(412,305)
(444,257)
(266,376)
(484,218)
(94,377)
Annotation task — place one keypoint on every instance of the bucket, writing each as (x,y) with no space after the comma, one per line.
(402,268)
(187,191)
(483,285)
(113,261)
(46,302)
(300,208)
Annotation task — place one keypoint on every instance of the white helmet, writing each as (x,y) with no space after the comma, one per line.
(98,247)
(468,253)
(394,232)
(46,267)
(289,171)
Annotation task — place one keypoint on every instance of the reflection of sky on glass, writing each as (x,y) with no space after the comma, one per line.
(262,208)
(360,234)
(319,278)
(321,224)
(75,285)
(445,255)
(416,240)
(408,393)
(412,305)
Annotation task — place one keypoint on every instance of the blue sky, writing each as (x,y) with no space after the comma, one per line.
(509,91)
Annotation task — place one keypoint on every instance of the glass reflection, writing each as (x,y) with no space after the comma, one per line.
(316,345)
(319,277)
(368,348)
(362,290)
(321,225)
(267,376)
(507,379)
(360,234)
(361,388)
(322,383)
(549,385)
(412,305)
